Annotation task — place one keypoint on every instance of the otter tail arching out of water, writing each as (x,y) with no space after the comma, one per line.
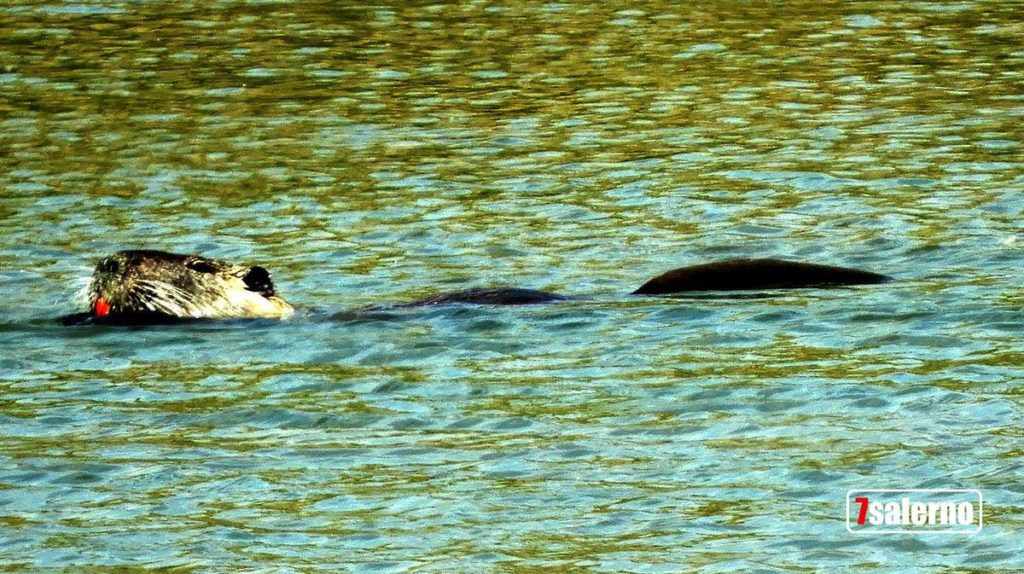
(148,286)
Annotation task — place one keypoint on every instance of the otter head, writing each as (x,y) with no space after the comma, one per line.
(142,285)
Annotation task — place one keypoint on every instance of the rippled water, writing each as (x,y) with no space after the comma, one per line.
(368,154)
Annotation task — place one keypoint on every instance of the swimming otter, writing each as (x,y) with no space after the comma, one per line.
(146,286)
(141,286)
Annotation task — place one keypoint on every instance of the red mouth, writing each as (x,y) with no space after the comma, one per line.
(100,307)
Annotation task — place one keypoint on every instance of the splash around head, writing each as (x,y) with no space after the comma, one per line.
(147,285)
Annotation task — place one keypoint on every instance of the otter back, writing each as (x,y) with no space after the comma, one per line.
(755,274)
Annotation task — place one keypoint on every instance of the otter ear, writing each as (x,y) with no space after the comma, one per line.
(107,265)
(257,279)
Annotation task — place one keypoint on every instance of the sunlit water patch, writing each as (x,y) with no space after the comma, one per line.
(375,154)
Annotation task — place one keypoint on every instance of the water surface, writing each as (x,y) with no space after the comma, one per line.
(374,153)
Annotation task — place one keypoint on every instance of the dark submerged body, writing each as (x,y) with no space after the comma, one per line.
(493,296)
(756,275)
(731,275)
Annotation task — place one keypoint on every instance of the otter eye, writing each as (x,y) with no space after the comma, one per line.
(257,280)
(107,265)
(201,266)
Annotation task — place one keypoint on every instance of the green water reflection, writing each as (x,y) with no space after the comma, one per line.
(369,153)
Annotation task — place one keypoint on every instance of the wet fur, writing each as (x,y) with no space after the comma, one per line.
(156,283)
(755,274)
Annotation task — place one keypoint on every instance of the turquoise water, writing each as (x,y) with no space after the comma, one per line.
(369,154)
